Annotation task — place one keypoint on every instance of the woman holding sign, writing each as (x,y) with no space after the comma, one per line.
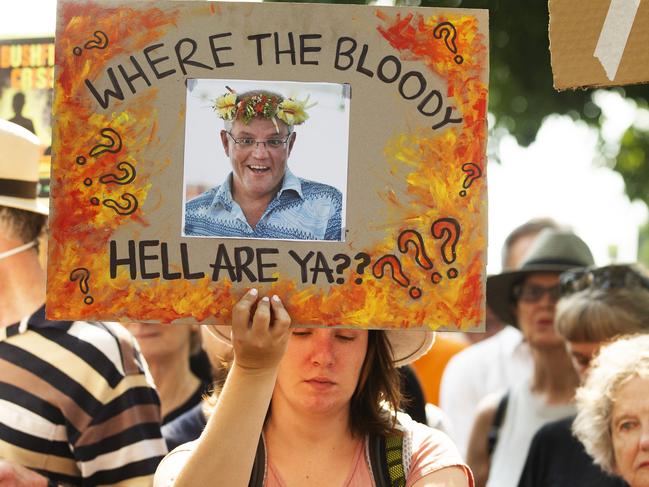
(313,406)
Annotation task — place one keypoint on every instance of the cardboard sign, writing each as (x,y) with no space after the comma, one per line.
(389,226)
(599,43)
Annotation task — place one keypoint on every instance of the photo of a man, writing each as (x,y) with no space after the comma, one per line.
(261,197)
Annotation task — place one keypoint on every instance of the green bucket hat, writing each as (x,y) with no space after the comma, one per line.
(552,251)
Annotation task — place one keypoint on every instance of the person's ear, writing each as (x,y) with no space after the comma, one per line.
(226,142)
(291,141)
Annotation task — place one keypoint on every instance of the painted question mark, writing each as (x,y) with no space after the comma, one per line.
(473,172)
(447,229)
(114,144)
(130,207)
(128,176)
(98,41)
(448,32)
(412,238)
(360,268)
(340,268)
(393,263)
(82,275)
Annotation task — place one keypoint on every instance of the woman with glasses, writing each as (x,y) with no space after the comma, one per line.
(597,306)
(506,422)
(262,198)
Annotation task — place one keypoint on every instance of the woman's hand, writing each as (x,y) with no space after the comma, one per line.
(259,338)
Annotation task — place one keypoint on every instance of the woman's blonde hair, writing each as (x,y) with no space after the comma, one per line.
(597,315)
(616,364)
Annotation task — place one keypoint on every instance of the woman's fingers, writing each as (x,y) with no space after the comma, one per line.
(241,311)
(260,337)
(261,319)
(281,318)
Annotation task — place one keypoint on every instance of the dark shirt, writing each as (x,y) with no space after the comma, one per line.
(184,428)
(558,459)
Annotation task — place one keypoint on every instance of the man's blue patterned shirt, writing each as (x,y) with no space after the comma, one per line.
(301,210)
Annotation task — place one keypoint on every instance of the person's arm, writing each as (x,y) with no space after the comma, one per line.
(459,394)
(478,456)
(225,452)
(13,475)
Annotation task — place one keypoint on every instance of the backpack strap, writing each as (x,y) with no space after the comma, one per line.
(494,430)
(394,457)
(386,460)
(258,473)
(378,461)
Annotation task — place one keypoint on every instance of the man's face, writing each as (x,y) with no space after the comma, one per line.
(258,170)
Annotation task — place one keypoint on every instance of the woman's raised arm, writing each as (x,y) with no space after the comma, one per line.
(225,452)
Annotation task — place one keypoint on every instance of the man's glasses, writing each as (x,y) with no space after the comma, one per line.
(533,293)
(609,277)
(249,142)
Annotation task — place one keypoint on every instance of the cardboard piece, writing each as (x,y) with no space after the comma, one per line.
(599,43)
(134,86)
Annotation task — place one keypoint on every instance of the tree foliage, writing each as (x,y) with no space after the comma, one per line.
(521,94)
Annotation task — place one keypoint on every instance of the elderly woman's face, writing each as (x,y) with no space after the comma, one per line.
(630,432)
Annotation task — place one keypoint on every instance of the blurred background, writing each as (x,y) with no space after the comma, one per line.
(579,157)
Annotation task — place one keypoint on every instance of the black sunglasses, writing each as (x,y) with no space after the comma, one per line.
(614,276)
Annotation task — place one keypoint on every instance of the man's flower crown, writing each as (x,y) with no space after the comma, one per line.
(292,112)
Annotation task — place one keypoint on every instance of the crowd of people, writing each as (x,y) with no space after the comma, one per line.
(555,394)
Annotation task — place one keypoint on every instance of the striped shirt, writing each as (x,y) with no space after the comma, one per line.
(301,210)
(77,404)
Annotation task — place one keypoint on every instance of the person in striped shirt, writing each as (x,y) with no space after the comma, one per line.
(77,404)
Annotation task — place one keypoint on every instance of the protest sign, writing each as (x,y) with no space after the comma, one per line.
(599,43)
(396,133)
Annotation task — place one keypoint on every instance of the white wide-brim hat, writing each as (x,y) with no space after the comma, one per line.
(19,156)
(407,345)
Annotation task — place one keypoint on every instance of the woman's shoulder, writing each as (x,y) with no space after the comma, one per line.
(172,464)
(428,450)
(420,436)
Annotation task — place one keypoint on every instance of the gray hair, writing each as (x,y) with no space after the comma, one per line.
(616,364)
(529,228)
(597,315)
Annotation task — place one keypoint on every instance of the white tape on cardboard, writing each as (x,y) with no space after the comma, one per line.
(615,33)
